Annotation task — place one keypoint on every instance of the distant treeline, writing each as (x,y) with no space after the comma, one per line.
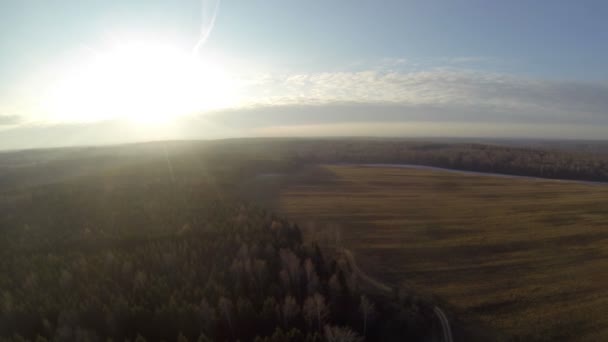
(286,154)
(234,160)
(535,162)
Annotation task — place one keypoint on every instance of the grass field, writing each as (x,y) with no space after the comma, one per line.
(526,257)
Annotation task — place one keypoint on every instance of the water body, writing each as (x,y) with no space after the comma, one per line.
(477,173)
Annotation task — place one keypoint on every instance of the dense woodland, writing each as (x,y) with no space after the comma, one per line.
(123,258)
(563,160)
(514,160)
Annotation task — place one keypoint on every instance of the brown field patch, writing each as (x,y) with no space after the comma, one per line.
(528,257)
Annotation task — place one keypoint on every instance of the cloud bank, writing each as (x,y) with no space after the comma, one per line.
(9,120)
(436,95)
(382,102)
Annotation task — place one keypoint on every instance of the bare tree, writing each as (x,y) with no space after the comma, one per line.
(244,309)
(243,252)
(237,269)
(367,309)
(207,314)
(203,338)
(334,285)
(7,302)
(315,309)
(284,276)
(341,334)
(182,338)
(289,309)
(338,236)
(140,280)
(270,309)
(291,263)
(353,282)
(276,225)
(309,268)
(259,271)
(312,279)
(225,308)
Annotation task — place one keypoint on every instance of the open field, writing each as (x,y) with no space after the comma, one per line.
(527,257)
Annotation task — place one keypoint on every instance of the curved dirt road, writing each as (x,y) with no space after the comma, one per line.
(445,324)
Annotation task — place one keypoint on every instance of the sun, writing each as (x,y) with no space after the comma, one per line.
(141,81)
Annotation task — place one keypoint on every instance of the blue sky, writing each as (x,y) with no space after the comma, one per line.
(557,39)
(515,68)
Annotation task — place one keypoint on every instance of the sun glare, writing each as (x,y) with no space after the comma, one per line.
(139,81)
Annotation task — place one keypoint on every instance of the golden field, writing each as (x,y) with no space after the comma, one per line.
(526,257)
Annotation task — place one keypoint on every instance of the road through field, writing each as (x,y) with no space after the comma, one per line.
(377,284)
(445,324)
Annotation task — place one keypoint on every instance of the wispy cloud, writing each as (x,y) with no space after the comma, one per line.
(485,96)
(9,120)
(462,60)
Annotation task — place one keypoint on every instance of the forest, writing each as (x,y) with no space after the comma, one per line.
(109,256)
(545,162)
(557,160)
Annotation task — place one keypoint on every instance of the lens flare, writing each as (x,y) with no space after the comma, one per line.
(141,81)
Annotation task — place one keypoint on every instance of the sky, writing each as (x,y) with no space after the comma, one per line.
(111,71)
